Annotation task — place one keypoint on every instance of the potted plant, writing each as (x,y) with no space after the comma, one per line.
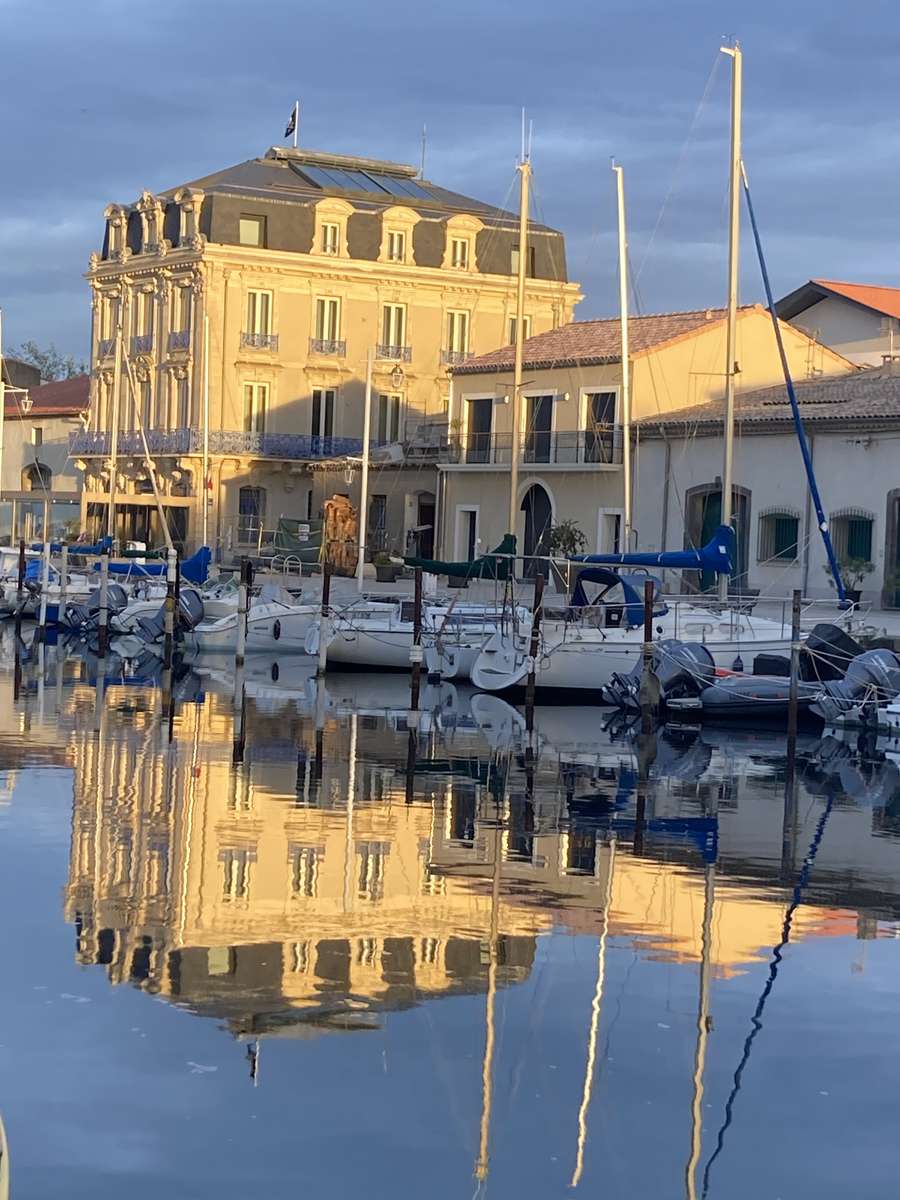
(386,570)
(562,540)
(853,572)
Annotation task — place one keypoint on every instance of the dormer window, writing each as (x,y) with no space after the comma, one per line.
(330,237)
(252,230)
(459,254)
(396,245)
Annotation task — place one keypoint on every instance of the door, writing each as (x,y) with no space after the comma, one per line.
(466,533)
(705,516)
(600,416)
(538,520)
(478,431)
(323,412)
(538,428)
(425,530)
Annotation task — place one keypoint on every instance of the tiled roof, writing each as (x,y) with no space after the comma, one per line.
(591,342)
(882,299)
(864,396)
(62,398)
(885,300)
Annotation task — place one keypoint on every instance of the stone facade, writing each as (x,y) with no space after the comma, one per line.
(300,264)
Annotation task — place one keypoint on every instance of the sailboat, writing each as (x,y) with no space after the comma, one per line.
(581,648)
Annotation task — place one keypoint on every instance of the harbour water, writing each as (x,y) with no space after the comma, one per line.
(300,950)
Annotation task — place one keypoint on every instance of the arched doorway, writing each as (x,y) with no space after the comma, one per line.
(703,514)
(538,512)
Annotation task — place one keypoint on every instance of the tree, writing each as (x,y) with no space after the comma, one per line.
(566,538)
(51,363)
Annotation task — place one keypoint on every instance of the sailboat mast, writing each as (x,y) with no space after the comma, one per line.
(524,169)
(364,485)
(206,429)
(734,233)
(114,431)
(626,371)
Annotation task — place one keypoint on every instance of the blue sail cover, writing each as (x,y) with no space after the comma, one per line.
(717,555)
(193,570)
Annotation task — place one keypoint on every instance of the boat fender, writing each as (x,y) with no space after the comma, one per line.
(416,655)
(529,665)
(276,630)
(275,672)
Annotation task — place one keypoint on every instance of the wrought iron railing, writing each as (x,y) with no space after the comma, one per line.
(290,446)
(107,347)
(259,341)
(142,343)
(394,353)
(180,339)
(577,447)
(455,358)
(332,346)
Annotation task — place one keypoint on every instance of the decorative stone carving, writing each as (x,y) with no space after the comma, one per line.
(190,201)
(151,212)
(117,223)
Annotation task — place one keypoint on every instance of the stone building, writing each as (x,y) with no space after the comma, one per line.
(40,485)
(302,263)
(570,440)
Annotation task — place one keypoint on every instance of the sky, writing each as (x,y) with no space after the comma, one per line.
(103,100)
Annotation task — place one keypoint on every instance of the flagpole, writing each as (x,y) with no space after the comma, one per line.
(296,121)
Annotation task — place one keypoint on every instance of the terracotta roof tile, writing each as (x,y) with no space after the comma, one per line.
(591,342)
(871,395)
(62,398)
(882,299)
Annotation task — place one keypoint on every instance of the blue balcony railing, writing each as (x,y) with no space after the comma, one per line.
(180,339)
(290,446)
(259,341)
(142,343)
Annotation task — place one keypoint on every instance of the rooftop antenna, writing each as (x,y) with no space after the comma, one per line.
(424,139)
(523,156)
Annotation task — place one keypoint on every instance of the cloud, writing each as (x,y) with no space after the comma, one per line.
(102,100)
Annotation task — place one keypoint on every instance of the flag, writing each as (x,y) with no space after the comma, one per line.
(292,123)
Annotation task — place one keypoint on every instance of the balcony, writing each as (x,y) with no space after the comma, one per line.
(333,347)
(142,343)
(180,339)
(576,447)
(259,341)
(283,446)
(455,358)
(107,347)
(394,353)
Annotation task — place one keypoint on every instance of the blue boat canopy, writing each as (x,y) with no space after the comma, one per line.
(717,555)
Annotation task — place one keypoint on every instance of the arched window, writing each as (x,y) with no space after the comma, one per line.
(851,533)
(251,513)
(37,478)
(778,536)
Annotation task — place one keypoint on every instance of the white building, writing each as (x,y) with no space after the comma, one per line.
(853,426)
(859,320)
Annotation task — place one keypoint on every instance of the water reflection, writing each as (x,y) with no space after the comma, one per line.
(331,878)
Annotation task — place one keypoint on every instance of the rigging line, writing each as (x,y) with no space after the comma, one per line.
(756,1020)
(679,166)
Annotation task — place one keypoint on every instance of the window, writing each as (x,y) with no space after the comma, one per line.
(529,261)
(109,317)
(251,513)
(305,862)
(236,873)
(143,314)
(459,254)
(393,326)
(37,435)
(457,332)
(259,313)
(179,401)
(183,308)
(252,230)
(609,532)
(256,402)
(388,424)
(322,412)
(372,855)
(328,319)
(526,329)
(37,478)
(331,237)
(851,533)
(778,536)
(599,426)
(396,246)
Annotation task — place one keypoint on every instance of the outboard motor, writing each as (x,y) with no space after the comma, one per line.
(873,676)
(190,609)
(827,653)
(682,668)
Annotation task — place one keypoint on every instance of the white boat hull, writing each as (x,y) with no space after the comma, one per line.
(586,660)
(270,627)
